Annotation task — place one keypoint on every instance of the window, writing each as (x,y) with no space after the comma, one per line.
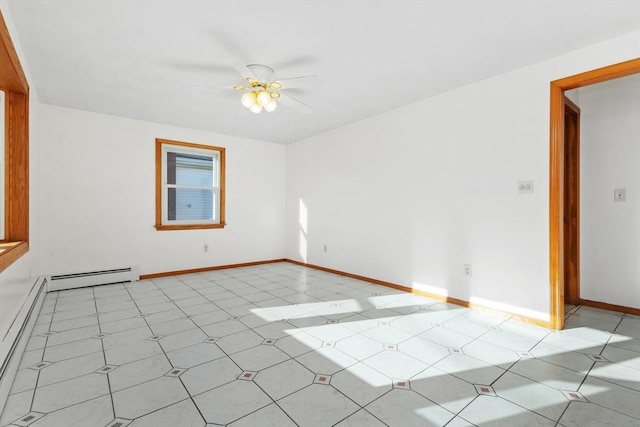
(189,186)
(14,184)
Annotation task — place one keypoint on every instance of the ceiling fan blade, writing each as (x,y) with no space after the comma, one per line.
(300,81)
(239,66)
(294,104)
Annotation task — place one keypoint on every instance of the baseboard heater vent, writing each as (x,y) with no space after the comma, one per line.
(93,278)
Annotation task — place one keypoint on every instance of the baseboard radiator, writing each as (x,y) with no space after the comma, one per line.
(14,340)
(93,278)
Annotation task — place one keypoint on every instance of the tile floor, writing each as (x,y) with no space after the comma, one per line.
(282,345)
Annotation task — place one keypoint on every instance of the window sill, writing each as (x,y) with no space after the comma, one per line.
(10,252)
(188,227)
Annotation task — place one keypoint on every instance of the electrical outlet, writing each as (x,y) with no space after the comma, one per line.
(205,248)
(525,187)
(467,269)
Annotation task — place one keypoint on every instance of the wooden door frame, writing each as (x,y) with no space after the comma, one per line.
(556,174)
(572,202)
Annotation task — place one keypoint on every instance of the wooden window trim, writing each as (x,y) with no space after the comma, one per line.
(162,227)
(556,174)
(16,139)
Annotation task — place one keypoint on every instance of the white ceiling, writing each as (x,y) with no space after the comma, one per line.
(162,61)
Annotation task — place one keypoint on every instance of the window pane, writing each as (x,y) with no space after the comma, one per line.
(192,169)
(188,204)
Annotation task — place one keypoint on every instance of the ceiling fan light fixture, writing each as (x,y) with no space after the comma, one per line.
(256,108)
(248,99)
(263,98)
(272,105)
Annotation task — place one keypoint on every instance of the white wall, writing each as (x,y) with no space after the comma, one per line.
(97,199)
(610,159)
(412,195)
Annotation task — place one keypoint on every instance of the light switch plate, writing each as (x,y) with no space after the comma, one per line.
(620,195)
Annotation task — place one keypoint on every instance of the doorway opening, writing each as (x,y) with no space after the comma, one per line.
(561,242)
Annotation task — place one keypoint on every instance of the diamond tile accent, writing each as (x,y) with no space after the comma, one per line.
(329,344)
(211,340)
(100,336)
(143,315)
(486,390)
(331,321)
(269,341)
(384,323)
(119,422)
(175,372)
(47,334)
(438,325)
(40,365)
(322,379)
(106,369)
(402,384)
(525,355)
(597,358)
(456,351)
(28,419)
(154,338)
(247,375)
(574,395)
(391,347)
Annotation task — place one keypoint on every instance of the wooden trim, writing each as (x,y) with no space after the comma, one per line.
(437,297)
(16,154)
(203,269)
(571,211)
(607,306)
(188,227)
(599,75)
(10,255)
(556,174)
(12,77)
(158,176)
(17,168)
(556,208)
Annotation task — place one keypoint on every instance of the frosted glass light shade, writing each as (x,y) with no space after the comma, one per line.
(248,99)
(263,98)
(270,106)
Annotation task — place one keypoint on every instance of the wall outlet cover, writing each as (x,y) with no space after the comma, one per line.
(525,187)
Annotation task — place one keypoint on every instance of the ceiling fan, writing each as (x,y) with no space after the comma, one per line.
(263,93)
